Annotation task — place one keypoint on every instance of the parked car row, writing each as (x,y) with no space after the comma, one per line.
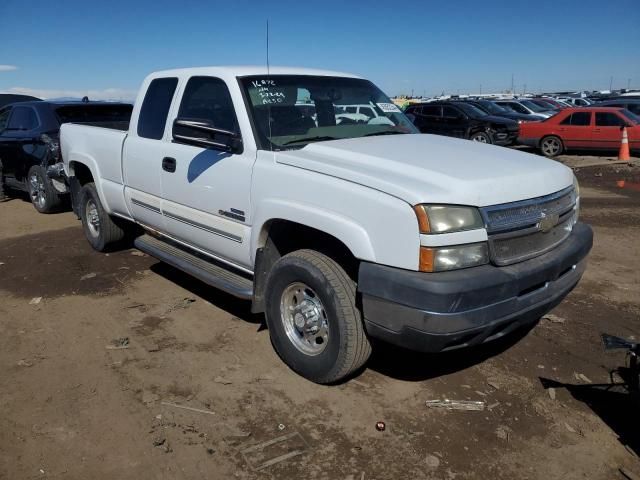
(545,123)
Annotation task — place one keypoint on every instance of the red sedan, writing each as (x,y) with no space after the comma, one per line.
(585,128)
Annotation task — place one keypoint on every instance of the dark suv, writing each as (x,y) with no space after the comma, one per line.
(462,120)
(29,143)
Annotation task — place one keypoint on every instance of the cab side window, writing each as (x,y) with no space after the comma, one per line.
(23,118)
(208,98)
(155,108)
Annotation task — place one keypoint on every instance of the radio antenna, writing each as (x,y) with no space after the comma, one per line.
(268,78)
(267,47)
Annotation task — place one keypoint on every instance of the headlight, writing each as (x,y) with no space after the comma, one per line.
(576,192)
(439,259)
(447,219)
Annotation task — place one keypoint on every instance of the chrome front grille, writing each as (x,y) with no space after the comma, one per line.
(522,230)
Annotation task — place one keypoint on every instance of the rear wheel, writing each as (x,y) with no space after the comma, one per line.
(551,146)
(313,320)
(480,137)
(101,230)
(42,194)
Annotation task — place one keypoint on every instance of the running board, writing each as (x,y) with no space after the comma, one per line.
(206,271)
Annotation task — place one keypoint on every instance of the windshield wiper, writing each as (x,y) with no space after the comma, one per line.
(311,139)
(385,132)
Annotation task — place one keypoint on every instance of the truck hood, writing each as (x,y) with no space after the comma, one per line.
(433,169)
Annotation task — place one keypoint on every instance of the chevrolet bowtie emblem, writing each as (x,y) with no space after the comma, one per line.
(548,221)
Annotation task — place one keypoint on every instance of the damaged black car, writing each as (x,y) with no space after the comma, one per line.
(30,158)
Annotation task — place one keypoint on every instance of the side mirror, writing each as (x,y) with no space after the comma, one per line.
(201,133)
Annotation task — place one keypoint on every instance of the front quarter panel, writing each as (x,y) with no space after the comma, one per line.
(375,226)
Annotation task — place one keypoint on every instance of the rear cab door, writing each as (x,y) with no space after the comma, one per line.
(607,130)
(206,194)
(144,151)
(576,130)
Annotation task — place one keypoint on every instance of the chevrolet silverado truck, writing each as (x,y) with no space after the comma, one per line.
(340,232)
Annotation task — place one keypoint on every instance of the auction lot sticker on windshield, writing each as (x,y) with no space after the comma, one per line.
(388,107)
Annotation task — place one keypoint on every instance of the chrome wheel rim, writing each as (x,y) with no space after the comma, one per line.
(304,319)
(479,138)
(37,191)
(551,146)
(93,220)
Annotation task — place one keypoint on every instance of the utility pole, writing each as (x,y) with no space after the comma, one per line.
(610,83)
(512,91)
(524,89)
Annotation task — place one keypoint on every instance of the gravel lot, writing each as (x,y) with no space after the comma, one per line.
(75,407)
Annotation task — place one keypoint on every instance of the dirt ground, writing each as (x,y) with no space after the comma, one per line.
(72,406)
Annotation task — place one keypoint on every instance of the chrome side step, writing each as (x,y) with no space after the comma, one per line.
(206,271)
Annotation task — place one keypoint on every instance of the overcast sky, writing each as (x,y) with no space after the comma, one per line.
(104,49)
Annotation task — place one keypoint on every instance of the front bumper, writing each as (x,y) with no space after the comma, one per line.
(432,312)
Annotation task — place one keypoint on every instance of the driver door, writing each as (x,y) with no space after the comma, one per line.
(206,192)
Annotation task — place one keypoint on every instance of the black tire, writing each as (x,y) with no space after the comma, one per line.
(347,347)
(551,146)
(104,234)
(42,193)
(480,137)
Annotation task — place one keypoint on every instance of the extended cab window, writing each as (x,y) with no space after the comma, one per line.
(208,98)
(581,119)
(23,118)
(155,107)
(608,119)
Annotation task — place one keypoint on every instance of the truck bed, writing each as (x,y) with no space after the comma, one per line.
(100,145)
(114,125)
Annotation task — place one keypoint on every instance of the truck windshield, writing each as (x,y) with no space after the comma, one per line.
(291,111)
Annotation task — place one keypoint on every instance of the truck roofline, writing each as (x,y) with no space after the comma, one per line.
(249,70)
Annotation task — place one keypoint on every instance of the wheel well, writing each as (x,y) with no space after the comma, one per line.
(82,173)
(280,237)
(551,136)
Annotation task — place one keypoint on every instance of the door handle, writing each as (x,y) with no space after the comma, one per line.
(169,164)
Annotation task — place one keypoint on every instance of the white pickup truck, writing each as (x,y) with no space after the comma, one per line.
(338,231)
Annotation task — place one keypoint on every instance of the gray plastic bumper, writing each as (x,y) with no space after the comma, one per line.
(441,311)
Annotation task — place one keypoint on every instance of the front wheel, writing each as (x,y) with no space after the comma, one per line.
(551,146)
(42,194)
(481,137)
(313,320)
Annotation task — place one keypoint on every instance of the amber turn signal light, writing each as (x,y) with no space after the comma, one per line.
(426,259)
(423,219)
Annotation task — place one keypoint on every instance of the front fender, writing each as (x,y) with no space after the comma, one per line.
(345,229)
